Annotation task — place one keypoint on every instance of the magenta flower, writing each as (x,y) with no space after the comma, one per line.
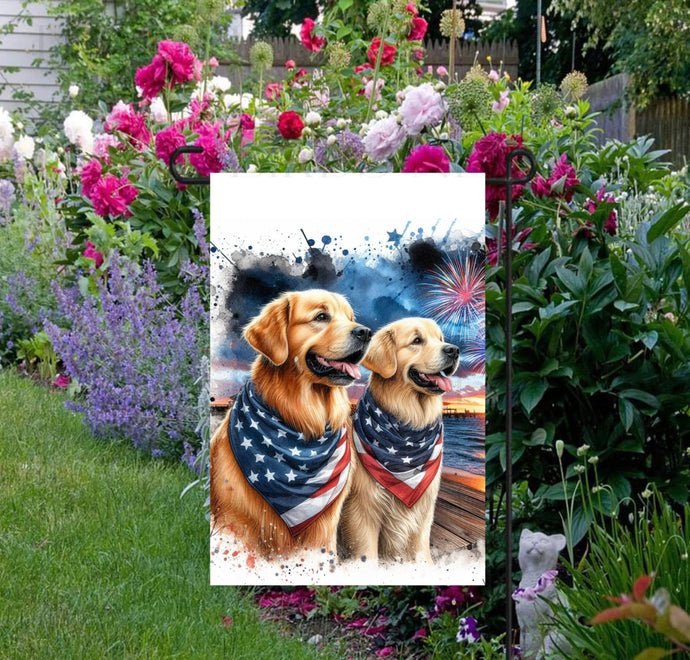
(561,182)
(489,156)
(418,29)
(309,40)
(384,652)
(112,196)
(301,600)
(62,381)
(90,252)
(125,119)
(90,175)
(273,91)
(167,141)
(518,244)
(427,158)
(174,64)
(211,159)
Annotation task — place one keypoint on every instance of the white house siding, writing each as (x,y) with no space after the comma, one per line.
(26,44)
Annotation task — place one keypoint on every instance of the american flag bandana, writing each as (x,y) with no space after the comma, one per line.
(298,479)
(402,459)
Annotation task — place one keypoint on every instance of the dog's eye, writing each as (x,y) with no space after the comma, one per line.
(323,317)
(417,340)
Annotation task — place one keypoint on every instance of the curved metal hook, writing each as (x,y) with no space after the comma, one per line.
(510,158)
(189,180)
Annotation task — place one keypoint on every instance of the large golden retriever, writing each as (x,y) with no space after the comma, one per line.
(309,348)
(390,510)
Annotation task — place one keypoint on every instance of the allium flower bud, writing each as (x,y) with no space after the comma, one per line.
(261,56)
(305,155)
(582,450)
(560,445)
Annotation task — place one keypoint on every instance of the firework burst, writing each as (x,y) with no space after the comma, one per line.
(473,356)
(454,295)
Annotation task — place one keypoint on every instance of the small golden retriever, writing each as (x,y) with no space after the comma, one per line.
(280,461)
(398,439)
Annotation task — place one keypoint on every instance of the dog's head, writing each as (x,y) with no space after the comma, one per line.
(315,332)
(412,351)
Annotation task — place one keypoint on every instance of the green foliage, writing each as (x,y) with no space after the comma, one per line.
(648,538)
(275,19)
(646,39)
(38,356)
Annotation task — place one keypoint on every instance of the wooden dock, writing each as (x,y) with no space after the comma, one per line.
(459,519)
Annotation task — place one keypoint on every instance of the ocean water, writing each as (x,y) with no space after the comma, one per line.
(463,444)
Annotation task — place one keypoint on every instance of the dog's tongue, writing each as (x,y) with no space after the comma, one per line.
(441,382)
(351,369)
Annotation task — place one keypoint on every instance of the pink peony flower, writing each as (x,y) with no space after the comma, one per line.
(290,64)
(125,119)
(211,159)
(213,62)
(90,175)
(62,381)
(102,143)
(489,156)
(502,103)
(427,158)
(309,40)
(273,91)
(361,67)
(423,106)
(411,8)
(561,182)
(112,195)
(611,222)
(442,71)
(167,141)
(369,88)
(418,29)
(383,138)
(388,52)
(247,125)
(90,252)
(174,64)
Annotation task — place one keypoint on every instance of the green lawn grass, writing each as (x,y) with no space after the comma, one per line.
(99,556)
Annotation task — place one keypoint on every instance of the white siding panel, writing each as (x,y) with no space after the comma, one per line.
(31,77)
(34,41)
(23,58)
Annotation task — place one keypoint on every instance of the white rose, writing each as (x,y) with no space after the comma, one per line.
(221,83)
(331,140)
(158,112)
(6,134)
(329,130)
(305,155)
(78,126)
(313,118)
(24,147)
(73,91)
(341,123)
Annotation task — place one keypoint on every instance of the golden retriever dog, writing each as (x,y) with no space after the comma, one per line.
(280,461)
(398,440)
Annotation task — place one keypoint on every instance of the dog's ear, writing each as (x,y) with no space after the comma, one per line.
(381,356)
(267,333)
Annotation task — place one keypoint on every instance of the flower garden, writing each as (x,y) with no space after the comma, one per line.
(104,295)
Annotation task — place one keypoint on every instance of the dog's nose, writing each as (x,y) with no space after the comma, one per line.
(362,333)
(451,351)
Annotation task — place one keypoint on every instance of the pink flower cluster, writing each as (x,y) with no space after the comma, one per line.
(427,158)
(561,183)
(611,222)
(174,64)
(489,156)
(125,119)
(109,194)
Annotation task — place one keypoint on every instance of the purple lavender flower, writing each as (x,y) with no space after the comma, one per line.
(230,162)
(136,356)
(467,630)
(348,147)
(6,198)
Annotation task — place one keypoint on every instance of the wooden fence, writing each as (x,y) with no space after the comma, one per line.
(436,54)
(666,120)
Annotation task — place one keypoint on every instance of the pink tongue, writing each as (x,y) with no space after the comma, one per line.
(351,369)
(442,382)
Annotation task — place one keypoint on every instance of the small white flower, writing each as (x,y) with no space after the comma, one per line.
(443,136)
(20,126)
(593,460)
(251,168)
(381,114)
(341,123)
(313,118)
(646,493)
(570,111)
(582,450)
(60,151)
(440,86)
(73,91)
(579,469)
(331,140)
(158,112)
(329,130)
(560,445)
(78,126)
(305,155)
(24,147)
(684,556)
(220,83)
(307,132)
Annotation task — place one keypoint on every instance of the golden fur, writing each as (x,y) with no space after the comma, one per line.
(374,522)
(283,333)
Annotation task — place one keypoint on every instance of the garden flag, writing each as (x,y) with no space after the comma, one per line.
(347,379)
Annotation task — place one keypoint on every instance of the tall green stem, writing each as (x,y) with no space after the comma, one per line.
(379,55)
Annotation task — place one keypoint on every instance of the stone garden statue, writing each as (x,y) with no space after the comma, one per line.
(538,556)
